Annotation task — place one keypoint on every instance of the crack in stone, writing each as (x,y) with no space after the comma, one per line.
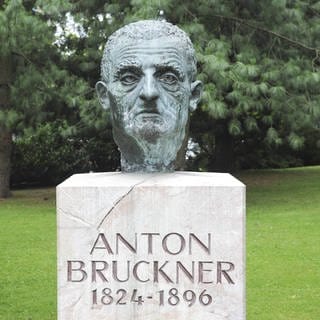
(74,304)
(118,202)
(73,217)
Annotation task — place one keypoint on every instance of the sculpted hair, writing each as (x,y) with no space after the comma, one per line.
(148,30)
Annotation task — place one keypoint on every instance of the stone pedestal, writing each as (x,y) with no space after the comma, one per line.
(151,246)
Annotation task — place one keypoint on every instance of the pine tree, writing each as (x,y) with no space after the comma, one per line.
(259,62)
(34,85)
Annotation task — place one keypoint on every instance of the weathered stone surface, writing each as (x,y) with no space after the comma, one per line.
(179,234)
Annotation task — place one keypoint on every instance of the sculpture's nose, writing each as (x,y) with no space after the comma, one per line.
(149,91)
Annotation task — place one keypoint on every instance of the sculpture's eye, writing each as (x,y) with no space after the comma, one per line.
(169,78)
(129,78)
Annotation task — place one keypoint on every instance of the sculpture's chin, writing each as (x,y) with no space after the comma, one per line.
(150,128)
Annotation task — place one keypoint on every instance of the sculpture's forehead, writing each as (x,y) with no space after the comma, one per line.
(163,49)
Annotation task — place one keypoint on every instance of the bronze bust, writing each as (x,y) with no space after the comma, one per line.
(148,75)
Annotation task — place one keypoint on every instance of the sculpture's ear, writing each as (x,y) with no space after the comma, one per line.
(196,91)
(103,96)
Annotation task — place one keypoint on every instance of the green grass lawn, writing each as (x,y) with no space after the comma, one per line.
(283,248)
(283,244)
(28,256)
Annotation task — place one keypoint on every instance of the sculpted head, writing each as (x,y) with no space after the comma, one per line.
(148,74)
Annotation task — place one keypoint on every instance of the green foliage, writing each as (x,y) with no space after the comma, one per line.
(41,86)
(259,62)
(21,30)
(54,151)
(51,79)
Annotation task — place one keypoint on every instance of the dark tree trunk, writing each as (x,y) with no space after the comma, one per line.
(5,155)
(5,132)
(223,155)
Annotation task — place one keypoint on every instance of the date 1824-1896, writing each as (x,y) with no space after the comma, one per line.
(170,297)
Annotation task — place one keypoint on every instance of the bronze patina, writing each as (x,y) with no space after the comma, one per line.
(148,81)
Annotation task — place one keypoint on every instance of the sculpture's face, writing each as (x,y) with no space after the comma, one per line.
(149,90)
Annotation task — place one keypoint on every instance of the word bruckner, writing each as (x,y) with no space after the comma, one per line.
(112,268)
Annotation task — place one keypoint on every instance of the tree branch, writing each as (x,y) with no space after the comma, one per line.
(275,34)
(23,56)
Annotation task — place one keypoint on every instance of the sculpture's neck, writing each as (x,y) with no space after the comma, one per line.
(146,167)
(154,157)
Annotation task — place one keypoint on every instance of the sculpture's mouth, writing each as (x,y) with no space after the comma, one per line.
(146,116)
(150,111)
